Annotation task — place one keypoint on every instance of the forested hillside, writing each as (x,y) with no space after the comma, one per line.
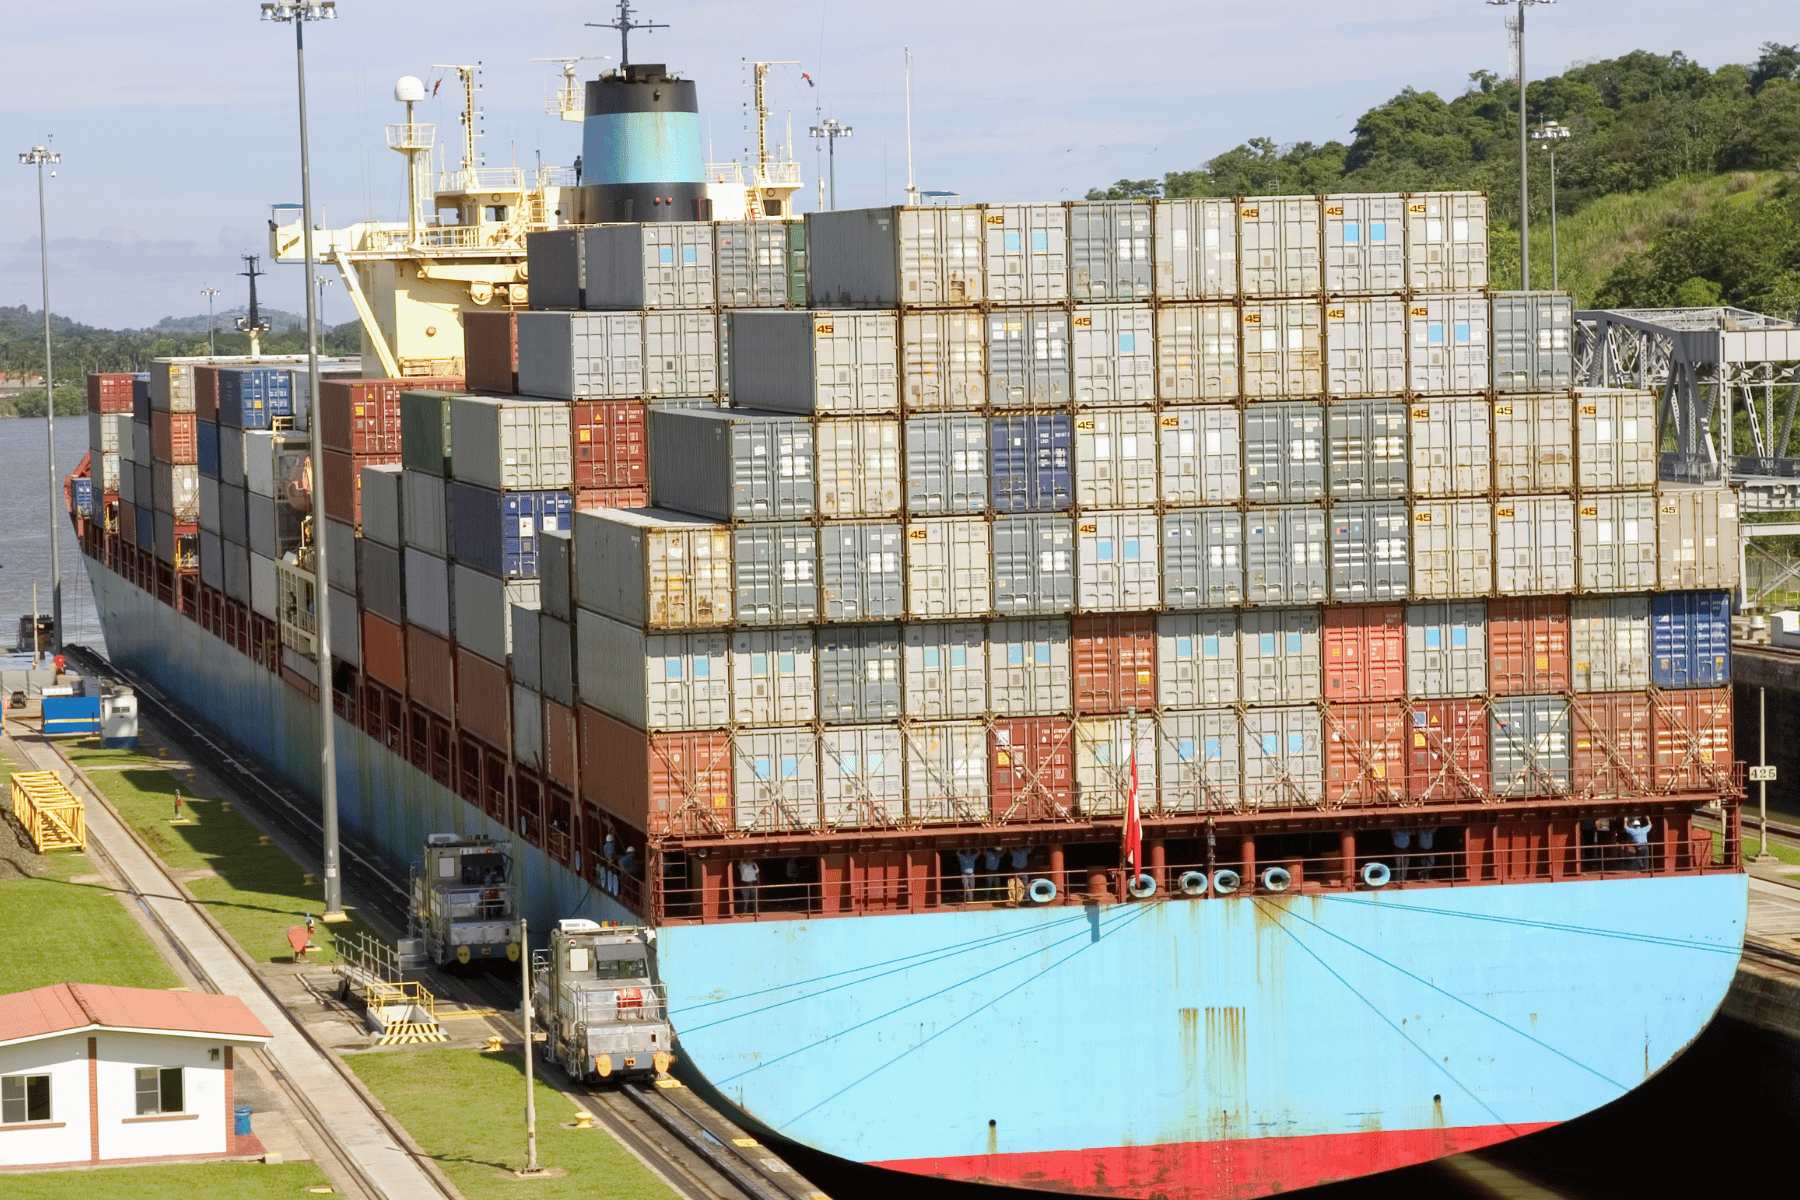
(1712,158)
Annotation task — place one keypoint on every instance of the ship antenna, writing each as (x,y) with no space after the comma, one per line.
(624,24)
(253,323)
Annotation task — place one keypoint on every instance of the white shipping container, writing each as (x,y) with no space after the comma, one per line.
(1026,253)
(1534,443)
(509,443)
(858,467)
(382,506)
(1283,350)
(1446,649)
(1451,443)
(525,625)
(1198,449)
(1199,769)
(681,354)
(775,778)
(1104,749)
(1615,434)
(172,385)
(1279,655)
(1448,344)
(1028,668)
(945,666)
(948,562)
(653,681)
(176,488)
(862,777)
(1196,249)
(343,556)
(1278,245)
(887,257)
(1697,537)
(259,462)
(1446,241)
(346,626)
(1616,543)
(1113,350)
(528,726)
(110,474)
(1365,244)
(1196,659)
(424,509)
(1452,549)
(946,772)
(127,435)
(773,677)
(1116,562)
(103,431)
(652,568)
(1114,463)
(943,361)
(1197,352)
(1365,346)
(581,356)
(1609,643)
(264,586)
(1283,767)
(1534,545)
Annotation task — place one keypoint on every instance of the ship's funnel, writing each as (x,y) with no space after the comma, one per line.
(640,148)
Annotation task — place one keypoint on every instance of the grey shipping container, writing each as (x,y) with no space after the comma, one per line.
(1534,341)
(777,572)
(945,669)
(1615,542)
(382,506)
(237,572)
(1365,245)
(1203,558)
(1284,453)
(1283,766)
(1197,352)
(946,464)
(732,465)
(1029,668)
(1028,358)
(1279,656)
(556,658)
(750,259)
(1365,346)
(425,512)
(581,356)
(1114,463)
(1026,253)
(212,560)
(943,360)
(1284,555)
(383,582)
(209,504)
(1109,250)
(653,680)
(895,257)
(553,259)
(815,362)
(556,572)
(527,726)
(1197,659)
(1113,354)
(1034,564)
(234,517)
(346,627)
(429,599)
(861,577)
(649,266)
(1200,455)
(1371,554)
(1609,643)
(510,443)
(1530,746)
(342,555)
(681,355)
(859,673)
(1446,649)
(1366,449)
(526,621)
(947,779)
(262,518)
(1195,249)
(482,605)
(425,432)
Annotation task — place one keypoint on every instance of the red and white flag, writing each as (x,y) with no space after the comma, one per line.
(1134,828)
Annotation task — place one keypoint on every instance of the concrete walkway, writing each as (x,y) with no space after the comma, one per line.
(348,1118)
(1767,993)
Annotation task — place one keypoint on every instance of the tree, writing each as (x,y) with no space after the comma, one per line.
(1128,189)
(1776,62)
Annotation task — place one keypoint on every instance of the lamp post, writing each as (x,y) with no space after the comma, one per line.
(1547,135)
(298,13)
(831,130)
(212,345)
(1524,212)
(40,157)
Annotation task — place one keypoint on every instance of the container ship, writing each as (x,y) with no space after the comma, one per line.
(1159,699)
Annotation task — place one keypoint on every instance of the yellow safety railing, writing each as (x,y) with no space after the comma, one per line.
(420,1006)
(49,813)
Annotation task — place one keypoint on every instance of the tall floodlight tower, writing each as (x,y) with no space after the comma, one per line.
(41,157)
(1517,24)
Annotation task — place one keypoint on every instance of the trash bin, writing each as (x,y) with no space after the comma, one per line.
(241,1126)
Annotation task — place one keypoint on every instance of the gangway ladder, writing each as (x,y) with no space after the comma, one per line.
(52,817)
(399,1011)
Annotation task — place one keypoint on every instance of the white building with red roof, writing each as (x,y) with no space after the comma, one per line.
(92,1074)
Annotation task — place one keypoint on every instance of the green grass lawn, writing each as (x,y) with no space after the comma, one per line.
(215,1181)
(1753,844)
(466,1110)
(258,892)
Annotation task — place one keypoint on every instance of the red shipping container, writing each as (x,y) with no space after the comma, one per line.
(1365,652)
(662,783)
(1115,664)
(342,480)
(430,672)
(384,651)
(1365,753)
(109,391)
(206,393)
(631,497)
(1447,751)
(1611,751)
(491,350)
(1691,748)
(607,445)
(484,707)
(173,438)
(362,416)
(1032,767)
(559,744)
(1528,646)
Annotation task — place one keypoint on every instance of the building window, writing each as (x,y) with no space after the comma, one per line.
(159,1090)
(24,1098)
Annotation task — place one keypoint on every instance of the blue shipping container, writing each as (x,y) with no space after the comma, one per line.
(499,532)
(1029,457)
(207,437)
(84,497)
(71,714)
(1690,639)
(249,396)
(146,526)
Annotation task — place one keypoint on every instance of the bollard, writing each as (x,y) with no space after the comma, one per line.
(493,1043)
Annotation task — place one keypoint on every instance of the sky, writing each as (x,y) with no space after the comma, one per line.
(178,124)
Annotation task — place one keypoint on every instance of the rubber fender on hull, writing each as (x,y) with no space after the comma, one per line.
(1376,875)
(1277,879)
(1192,883)
(1041,891)
(1226,881)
